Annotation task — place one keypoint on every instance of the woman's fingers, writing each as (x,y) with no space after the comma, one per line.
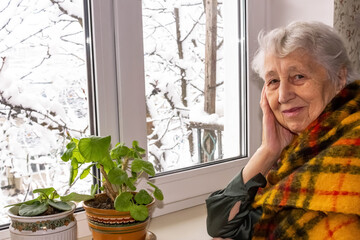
(275,136)
(263,100)
(264,104)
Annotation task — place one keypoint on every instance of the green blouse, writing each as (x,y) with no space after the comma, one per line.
(220,203)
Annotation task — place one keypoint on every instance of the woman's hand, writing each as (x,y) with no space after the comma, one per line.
(274,137)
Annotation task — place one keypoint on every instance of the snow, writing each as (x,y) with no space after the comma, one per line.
(169,140)
(43,78)
(199,115)
(73,7)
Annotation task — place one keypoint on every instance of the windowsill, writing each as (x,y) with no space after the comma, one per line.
(185,224)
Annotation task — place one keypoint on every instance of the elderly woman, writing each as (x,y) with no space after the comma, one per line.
(310,149)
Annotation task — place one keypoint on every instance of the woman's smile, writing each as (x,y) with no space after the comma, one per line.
(293,112)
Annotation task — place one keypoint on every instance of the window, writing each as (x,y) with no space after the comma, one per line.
(43,95)
(185,186)
(117,66)
(192,72)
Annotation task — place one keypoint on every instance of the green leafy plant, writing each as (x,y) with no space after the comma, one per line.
(47,197)
(120,167)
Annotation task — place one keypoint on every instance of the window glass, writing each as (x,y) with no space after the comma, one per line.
(43,95)
(192,82)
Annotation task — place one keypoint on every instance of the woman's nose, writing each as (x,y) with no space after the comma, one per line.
(286,92)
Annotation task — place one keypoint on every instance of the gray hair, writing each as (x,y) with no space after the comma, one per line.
(319,40)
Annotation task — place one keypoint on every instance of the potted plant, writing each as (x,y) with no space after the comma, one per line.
(122,210)
(44,217)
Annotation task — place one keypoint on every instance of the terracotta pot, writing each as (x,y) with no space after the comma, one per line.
(115,225)
(60,226)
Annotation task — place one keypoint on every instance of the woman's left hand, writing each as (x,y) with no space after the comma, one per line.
(275,137)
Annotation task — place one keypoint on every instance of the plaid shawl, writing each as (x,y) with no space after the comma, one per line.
(314,192)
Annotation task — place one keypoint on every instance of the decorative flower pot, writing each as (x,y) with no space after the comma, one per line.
(60,226)
(115,225)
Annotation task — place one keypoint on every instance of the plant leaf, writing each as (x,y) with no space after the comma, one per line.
(139,212)
(139,165)
(139,150)
(117,176)
(143,197)
(45,191)
(69,151)
(26,202)
(157,192)
(119,151)
(94,149)
(76,197)
(59,205)
(123,201)
(54,195)
(151,184)
(94,189)
(86,171)
(130,183)
(107,163)
(73,170)
(75,152)
(34,209)
(132,154)
(77,155)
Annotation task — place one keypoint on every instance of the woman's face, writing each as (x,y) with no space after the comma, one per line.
(298,88)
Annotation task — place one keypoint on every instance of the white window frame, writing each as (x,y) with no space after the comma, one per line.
(119,68)
(181,189)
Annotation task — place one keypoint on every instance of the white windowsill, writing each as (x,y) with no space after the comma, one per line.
(189,224)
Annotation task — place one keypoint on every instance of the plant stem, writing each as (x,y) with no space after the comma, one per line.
(124,167)
(139,175)
(95,177)
(109,190)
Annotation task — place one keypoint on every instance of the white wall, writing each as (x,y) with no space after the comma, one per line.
(282,12)
(269,14)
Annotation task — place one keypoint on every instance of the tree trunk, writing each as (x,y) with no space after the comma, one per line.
(183,75)
(210,74)
(181,56)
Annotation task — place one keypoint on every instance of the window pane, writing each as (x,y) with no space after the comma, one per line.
(43,94)
(192,73)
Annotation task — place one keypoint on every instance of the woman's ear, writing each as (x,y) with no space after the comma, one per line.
(342,76)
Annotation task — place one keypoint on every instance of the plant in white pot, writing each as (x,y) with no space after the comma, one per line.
(122,210)
(43,218)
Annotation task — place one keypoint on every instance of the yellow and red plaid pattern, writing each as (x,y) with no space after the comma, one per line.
(314,193)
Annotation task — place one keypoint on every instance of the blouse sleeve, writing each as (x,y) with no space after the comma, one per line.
(220,203)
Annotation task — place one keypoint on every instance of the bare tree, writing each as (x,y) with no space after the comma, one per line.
(181,83)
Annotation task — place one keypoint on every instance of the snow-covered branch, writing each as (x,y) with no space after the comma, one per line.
(3,59)
(64,8)
(34,115)
(193,27)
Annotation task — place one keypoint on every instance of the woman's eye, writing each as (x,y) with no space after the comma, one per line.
(273,81)
(297,77)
